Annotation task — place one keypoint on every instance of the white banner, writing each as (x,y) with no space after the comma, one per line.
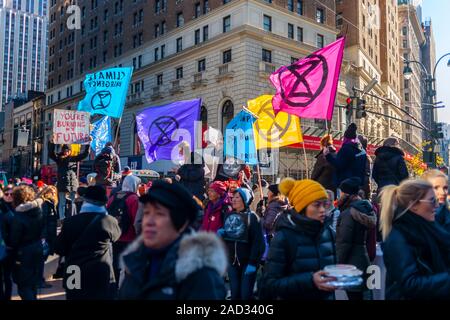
(71,127)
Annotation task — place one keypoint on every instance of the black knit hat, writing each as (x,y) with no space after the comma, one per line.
(274,189)
(65,147)
(95,195)
(176,198)
(351,186)
(350,133)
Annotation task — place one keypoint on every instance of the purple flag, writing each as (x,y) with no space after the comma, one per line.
(157,125)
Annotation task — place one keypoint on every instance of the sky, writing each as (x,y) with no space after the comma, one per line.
(439,12)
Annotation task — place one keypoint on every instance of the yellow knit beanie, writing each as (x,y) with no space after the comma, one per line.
(302,193)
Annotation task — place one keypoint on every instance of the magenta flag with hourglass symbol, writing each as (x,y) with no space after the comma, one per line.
(308,87)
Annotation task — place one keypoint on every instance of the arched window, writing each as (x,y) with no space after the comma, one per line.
(204,120)
(227,114)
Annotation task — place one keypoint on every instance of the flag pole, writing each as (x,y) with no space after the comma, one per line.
(259,182)
(117,133)
(306,159)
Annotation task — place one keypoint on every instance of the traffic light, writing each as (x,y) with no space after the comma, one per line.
(349,106)
(360,108)
(438,133)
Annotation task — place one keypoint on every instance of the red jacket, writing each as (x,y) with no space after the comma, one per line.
(132,203)
(213,217)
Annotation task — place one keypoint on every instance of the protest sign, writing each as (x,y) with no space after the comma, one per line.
(71,127)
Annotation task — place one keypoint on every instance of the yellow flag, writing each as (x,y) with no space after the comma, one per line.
(273,131)
(76,148)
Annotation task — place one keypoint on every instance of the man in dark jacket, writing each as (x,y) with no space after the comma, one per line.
(323,171)
(168,261)
(107,166)
(67,172)
(25,240)
(389,166)
(351,159)
(193,176)
(85,241)
(353,225)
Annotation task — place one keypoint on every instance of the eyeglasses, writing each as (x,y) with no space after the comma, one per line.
(8,194)
(325,203)
(433,200)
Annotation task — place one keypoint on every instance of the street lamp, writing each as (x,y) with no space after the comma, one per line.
(407,71)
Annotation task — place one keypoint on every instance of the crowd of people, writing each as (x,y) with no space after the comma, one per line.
(187,239)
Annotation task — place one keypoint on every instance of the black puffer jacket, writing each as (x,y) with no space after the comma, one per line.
(300,248)
(351,234)
(191,269)
(193,178)
(349,162)
(324,172)
(50,217)
(389,167)
(67,168)
(443,217)
(6,218)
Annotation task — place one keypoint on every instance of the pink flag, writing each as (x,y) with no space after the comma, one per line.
(308,87)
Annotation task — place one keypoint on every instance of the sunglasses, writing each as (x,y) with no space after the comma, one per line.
(8,194)
(433,200)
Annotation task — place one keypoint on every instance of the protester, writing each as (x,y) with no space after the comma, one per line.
(218,206)
(277,205)
(389,167)
(192,176)
(351,159)
(259,204)
(439,181)
(66,172)
(49,195)
(107,165)
(323,171)
(332,211)
(366,184)
(85,241)
(6,264)
(303,244)
(25,239)
(415,249)
(124,206)
(180,264)
(242,232)
(356,218)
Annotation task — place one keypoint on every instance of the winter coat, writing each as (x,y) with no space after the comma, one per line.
(389,167)
(244,238)
(411,268)
(106,175)
(367,185)
(351,234)
(87,246)
(132,204)
(349,162)
(274,210)
(300,248)
(6,217)
(190,269)
(324,172)
(193,179)
(25,239)
(67,168)
(50,217)
(443,217)
(215,214)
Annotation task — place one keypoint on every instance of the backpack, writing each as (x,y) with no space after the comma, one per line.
(118,209)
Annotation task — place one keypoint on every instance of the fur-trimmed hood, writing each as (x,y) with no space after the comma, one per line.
(362,212)
(27,206)
(195,251)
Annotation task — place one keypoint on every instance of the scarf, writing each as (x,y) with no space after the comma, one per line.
(211,207)
(89,207)
(312,228)
(155,259)
(429,235)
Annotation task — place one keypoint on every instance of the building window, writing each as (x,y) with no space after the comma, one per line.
(159,79)
(156,54)
(205,6)
(197,10)
(201,65)
(163,51)
(163,27)
(267,21)
(205,33)
(179,44)
(404,31)
(290,5)
(300,7)
(290,31)
(226,24)
(405,44)
(226,1)
(320,15)
(266,55)
(157,30)
(197,36)
(299,34)
(180,19)
(227,114)
(179,73)
(226,56)
(320,41)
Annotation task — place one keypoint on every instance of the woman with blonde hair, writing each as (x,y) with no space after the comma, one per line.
(439,180)
(49,195)
(416,250)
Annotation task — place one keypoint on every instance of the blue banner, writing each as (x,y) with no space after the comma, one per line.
(106,92)
(101,134)
(162,128)
(240,140)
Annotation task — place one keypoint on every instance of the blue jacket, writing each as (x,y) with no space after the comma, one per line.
(443,217)
(349,162)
